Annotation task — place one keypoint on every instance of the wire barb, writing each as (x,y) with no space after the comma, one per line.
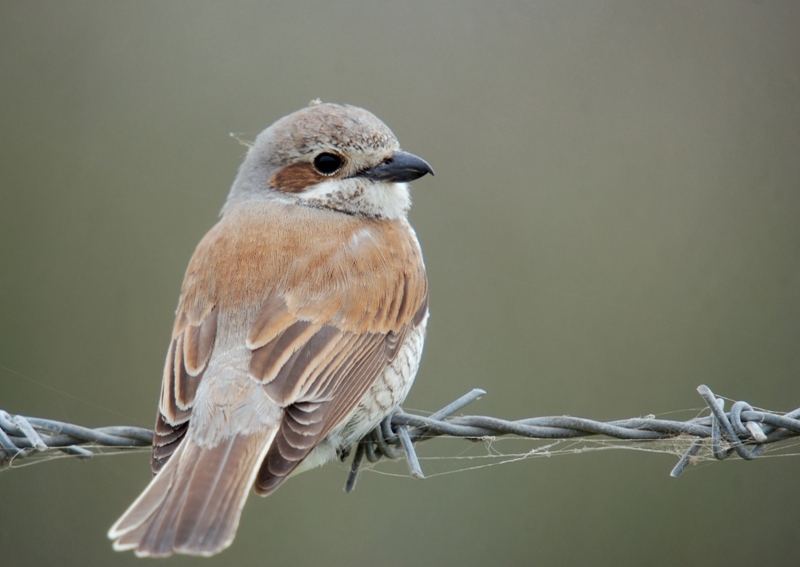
(22,437)
(744,431)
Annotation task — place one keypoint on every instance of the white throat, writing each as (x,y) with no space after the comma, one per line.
(361,196)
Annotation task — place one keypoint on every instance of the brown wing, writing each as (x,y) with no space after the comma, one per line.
(187,358)
(319,373)
(333,311)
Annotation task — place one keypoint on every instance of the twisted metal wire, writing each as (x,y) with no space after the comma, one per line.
(22,437)
(731,432)
(743,430)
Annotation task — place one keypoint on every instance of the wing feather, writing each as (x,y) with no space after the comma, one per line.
(169,408)
(198,342)
(325,401)
(273,318)
(187,359)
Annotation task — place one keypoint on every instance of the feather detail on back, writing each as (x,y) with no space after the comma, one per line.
(329,320)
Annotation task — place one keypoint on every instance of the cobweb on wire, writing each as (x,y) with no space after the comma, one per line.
(449,455)
(93,451)
(745,431)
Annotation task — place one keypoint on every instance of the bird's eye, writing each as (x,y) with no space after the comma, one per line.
(327,164)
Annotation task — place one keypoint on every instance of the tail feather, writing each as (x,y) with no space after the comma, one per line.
(194,503)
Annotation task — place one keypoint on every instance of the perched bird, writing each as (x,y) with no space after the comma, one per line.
(299,327)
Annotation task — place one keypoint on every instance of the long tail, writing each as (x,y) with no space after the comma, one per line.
(194,503)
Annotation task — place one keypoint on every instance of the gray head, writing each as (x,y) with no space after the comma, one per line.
(329,156)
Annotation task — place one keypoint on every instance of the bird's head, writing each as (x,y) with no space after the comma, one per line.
(330,156)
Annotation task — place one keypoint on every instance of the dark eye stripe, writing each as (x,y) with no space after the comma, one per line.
(296,177)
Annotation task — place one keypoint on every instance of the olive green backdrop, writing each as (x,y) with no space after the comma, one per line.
(615,219)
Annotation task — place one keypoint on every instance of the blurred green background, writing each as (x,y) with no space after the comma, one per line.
(615,219)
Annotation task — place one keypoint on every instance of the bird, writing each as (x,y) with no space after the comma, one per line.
(300,326)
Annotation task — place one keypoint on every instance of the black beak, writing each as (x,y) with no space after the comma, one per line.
(402,166)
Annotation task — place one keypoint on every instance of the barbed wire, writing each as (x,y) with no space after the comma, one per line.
(743,430)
